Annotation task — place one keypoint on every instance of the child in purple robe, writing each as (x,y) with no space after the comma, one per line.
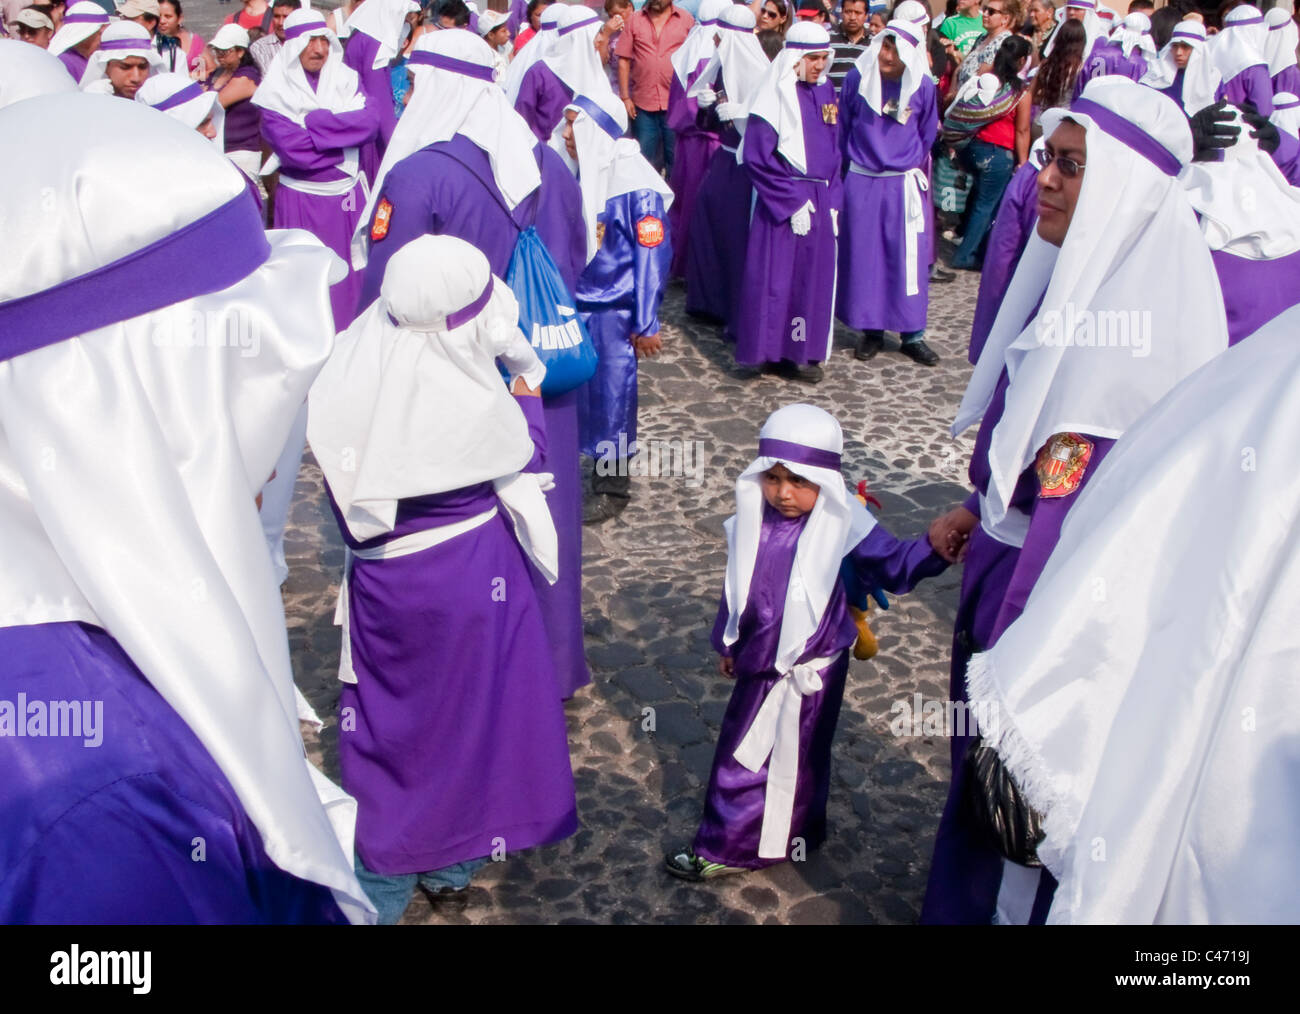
(783,631)
(791,153)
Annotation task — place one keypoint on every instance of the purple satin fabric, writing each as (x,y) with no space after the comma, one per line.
(1254,292)
(798,454)
(106,834)
(542,99)
(186,94)
(694,152)
(1016,219)
(719,233)
(305,27)
(475,70)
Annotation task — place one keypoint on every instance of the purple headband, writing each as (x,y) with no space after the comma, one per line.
(1130,134)
(1187,35)
(732,28)
(1272,28)
(1286,105)
(606,122)
(423,57)
(141,44)
(591,20)
(814,47)
(458,318)
(186,94)
(86,19)
(221,248)
(304,28)
(798,454)
(1258,19)
(905,33)
(1086,4)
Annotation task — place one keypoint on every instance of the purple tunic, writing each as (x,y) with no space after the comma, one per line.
(618,296)
(1016,218)
(790,280)
(457,744)
(447,189)
(75,62)
(1287,157)
(715,258)
(100,829)
(873,271)
(1287,80)
(359,53)
(541,100)
(1254,292)
(732,823)
(313,153)
(1252,85)
(696,143)
(1109,58)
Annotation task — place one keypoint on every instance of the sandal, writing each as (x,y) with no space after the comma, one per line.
(688,866)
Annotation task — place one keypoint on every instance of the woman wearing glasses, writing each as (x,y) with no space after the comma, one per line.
(1001,17)
(774,17)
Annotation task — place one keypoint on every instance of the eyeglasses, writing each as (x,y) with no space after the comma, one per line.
(769,13)
(994,10)
(1068,167)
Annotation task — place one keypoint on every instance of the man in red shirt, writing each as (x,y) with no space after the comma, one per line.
(645,71)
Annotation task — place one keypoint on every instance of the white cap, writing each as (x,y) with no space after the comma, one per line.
(230,36)
(489,20)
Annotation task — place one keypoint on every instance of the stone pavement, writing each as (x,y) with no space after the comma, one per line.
(652,581)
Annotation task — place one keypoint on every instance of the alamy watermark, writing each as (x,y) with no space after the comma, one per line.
(82,720)
(181,328)
(676,459)
(936,717)
(1100,329)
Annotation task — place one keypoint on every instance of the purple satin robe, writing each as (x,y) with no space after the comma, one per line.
(789,281)
(1287,80)
(715,258)
(75,62)
(1252,85)
(359,51)
(734,804)
(541,100)
(1287,157)
(105,833)
(453,739)
(447,189)
(696,144)
(619,294)
(1109,58)
(873,275)
(1254,292)
(1016,219)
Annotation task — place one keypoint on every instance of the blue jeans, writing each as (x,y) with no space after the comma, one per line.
(992,167)
(390,894)
(651,130)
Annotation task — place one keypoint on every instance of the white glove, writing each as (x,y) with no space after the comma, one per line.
(801,220)
(706,97)
(727,111)
(545,481)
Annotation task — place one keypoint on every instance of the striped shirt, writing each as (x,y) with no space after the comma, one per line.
(844,54)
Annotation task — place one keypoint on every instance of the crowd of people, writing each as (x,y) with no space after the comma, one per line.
(438,237)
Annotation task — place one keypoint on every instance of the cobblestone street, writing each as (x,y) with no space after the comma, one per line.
(652,580)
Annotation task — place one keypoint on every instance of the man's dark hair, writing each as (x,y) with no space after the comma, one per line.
(454,9)
(291,4)
(532,7)
(772,42)
(866,6)
(1140,6)
(1163,23)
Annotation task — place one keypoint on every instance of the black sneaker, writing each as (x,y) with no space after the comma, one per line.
(939,275)
(920,352)
(869,344)
(688,866)
(809,373)
(601,507)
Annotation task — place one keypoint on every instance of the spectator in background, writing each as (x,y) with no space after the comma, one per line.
(452,14)
(181,50)
(34,27)
(773,22)
(255,18)
(616,12)
(964,27)
(1054,82)
(143,12)
(848,43)
(235,80)
(494,30)
(1000,17)
(535,10)
(78,36)
(645,72)
(876,23)
(264,50)
(1042,19)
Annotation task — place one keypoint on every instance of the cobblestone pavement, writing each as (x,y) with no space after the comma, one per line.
(652,580)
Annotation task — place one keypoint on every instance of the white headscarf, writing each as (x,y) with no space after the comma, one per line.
(1286,113)
(1093,27)
(1132,220)
(121,39)
(573,58)
(411,402)
(1247,207)
(185,100)
(1134,32)
(740,58)
(383,21)
(455,94)
(808,441)
(911,50)
(197,390)
(609,164)
(1283,38)
(1201,78)
(1109,19)
(285,89)
(82,20)
(776,101)
(27,71)
(1240,43)
(913,12)
(1198,809)
(698,46)
(540,46)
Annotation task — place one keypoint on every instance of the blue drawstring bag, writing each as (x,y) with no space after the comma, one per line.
(549,317)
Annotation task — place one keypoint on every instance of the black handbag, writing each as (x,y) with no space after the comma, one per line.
(996,807)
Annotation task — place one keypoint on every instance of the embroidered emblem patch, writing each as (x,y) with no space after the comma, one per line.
(600,234)
(1061,464)
(383,215)
(649,231)
(830,113)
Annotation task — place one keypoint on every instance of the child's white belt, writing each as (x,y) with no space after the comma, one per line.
(775,733)
(416,542)
(915,182)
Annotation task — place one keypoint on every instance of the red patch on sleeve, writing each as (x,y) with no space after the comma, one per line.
(383,215)
(649,231)
(1061,464)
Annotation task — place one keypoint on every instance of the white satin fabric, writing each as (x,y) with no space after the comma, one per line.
(776,100)
(1286,113)
(741,60)
(699,45)
(130,456)
(1283,38)
(1131,220)
(1201,77)
(444,104)
(1238,47)
(1155,726)
(836,524)
(74,33)
(1134,32)
(383,21)
(913,13)
(540,46)
(161,87)
(574,59)
(915,69)
(27,71)
(414,408)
